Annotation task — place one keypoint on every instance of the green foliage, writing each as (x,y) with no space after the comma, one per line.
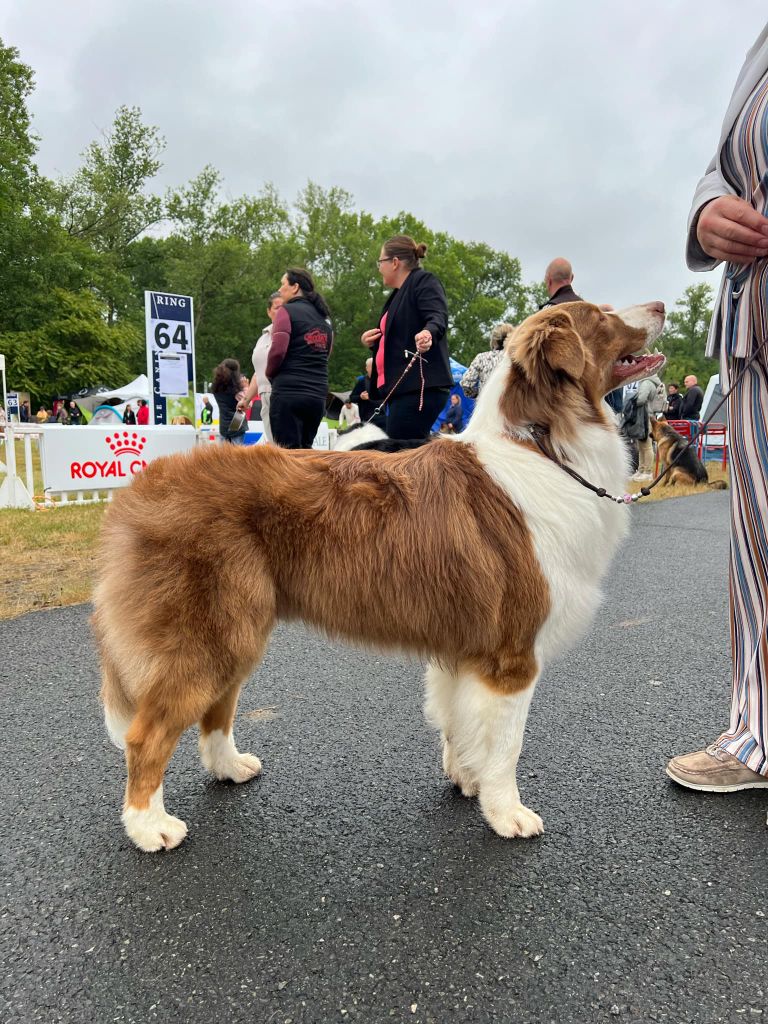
(105,204)
(75,348)
(35,253)
(17,143)
(685,336)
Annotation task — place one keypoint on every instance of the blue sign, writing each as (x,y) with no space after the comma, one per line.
(170,334)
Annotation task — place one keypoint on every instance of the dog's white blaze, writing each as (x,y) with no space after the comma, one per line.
(221,757)
(644,318)
(575,533)
(152,828)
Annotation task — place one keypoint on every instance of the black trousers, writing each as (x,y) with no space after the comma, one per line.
(405,422)
(294,417)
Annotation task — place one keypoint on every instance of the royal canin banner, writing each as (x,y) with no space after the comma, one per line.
(99,458)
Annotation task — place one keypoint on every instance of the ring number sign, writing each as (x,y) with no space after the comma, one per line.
(170,336)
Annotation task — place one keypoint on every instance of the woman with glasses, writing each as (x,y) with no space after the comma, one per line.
(414,319)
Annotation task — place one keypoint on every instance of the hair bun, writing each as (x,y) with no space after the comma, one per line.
(420,251)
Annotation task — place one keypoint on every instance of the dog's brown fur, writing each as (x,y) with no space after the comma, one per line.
(216,575)
(690,471)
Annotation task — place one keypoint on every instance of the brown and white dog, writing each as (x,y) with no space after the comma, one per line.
(490,560)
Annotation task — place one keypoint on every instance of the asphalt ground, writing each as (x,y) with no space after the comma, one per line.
(351,882)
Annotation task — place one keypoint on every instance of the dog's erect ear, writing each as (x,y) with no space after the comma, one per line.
(549,337)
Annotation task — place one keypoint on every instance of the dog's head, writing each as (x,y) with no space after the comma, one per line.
(566,358)
(657,428)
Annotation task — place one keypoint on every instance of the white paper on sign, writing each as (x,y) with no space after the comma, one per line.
(173,375)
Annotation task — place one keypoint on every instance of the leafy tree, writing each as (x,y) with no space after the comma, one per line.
(17,143)
(76,257)
(229,257)
(75,348)
(339,246)
(105,203)
(685,336)
(36,256)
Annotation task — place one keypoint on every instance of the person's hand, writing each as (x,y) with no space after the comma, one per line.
(369,338)
(364,395)
(423,341)
(242,405)
(730,229)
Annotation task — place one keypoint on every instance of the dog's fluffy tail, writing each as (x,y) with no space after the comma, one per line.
(119,708)
(358,435)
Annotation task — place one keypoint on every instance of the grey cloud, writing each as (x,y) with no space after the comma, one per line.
(578,131)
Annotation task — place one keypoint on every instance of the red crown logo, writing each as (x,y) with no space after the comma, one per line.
(125,443)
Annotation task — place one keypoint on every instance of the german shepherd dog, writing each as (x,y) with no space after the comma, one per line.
(690,469)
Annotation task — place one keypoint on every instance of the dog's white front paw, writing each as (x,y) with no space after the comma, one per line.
(222,758)
(153,829)
(512,820)
(458,775)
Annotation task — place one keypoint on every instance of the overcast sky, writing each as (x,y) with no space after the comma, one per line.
(562,129)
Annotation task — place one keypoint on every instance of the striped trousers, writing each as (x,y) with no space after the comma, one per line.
(747,734)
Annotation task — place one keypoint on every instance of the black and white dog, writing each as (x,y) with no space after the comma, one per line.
(367,437)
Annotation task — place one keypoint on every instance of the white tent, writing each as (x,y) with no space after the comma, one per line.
(712,397)
(138,388)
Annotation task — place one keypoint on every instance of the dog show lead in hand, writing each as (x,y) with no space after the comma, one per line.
(415,317)
(728,223)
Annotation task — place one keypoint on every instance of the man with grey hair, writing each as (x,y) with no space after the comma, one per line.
(558,279)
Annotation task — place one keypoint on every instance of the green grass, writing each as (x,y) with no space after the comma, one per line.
(46,557)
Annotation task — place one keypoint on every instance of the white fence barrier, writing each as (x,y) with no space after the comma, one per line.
(82,465)
(85,464)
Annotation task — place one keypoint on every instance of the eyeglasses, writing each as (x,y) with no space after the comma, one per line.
(384,259)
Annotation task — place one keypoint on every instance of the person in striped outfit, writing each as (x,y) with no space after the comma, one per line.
(729,223)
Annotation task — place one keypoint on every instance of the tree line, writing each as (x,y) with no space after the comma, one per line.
(76,255)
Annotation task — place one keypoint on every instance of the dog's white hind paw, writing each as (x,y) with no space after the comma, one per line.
(458,776)
(514,821)
(153,829)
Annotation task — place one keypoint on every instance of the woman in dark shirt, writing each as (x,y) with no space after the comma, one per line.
(414,319)
(227,387)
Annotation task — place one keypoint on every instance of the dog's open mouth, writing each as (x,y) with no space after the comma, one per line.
(638,365)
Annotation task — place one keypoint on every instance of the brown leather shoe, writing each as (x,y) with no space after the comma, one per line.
(714,771)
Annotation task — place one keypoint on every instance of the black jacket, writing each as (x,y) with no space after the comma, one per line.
(674,405)
(418,305)
(301,344)
(227,403)
(564,294)
(692,401)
